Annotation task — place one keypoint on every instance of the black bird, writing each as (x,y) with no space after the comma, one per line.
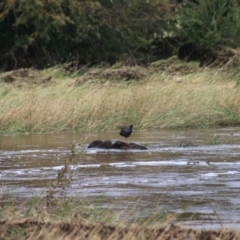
(126,132)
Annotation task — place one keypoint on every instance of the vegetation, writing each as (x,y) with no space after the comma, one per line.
(211,23)
(101,99)
(83,229)
(103,68)
(43,33)
(38,33)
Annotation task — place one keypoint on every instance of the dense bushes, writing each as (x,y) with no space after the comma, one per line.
(39,32)
(207,24)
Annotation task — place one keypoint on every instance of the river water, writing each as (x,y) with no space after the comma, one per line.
(202,182)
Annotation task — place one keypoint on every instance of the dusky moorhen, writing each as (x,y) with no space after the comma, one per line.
(126,132)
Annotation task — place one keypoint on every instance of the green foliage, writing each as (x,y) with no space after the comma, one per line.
(210,23)
(39,32)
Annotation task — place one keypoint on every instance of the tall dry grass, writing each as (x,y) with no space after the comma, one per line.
(202,99)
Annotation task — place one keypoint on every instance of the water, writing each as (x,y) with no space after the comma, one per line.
(200,181)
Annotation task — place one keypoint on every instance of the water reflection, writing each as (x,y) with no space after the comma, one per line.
(202,180)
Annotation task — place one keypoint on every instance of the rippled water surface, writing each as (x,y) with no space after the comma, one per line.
(203,179)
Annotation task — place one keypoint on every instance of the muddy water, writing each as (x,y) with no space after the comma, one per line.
(202,182)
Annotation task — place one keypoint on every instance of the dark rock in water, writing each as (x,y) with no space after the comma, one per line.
(137,146)
(106,144)
(120,145)
(100,144)
(95,144)
(117,145)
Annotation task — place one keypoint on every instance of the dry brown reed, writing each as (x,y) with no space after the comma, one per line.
(32,229)
(205,98)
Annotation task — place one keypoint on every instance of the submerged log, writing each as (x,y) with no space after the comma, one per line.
(117,145)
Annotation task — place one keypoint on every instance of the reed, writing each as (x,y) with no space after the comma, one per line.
(206,98)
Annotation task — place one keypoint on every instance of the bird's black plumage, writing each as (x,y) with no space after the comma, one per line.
(126,132)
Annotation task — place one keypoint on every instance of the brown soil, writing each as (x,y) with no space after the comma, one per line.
(119,74)
(25,77)
(172,66)
(226,59)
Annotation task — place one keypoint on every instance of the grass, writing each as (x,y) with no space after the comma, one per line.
(83,229)
(204,98)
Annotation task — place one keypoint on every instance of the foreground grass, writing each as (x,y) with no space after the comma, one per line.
(30,229)
(72,220)
(204,98)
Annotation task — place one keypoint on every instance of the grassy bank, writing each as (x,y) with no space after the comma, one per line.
(101,99)
(35,229)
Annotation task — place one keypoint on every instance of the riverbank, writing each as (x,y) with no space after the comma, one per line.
(32,229)
(163,95)
(40,218)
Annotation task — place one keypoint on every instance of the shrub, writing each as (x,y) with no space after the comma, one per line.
(39,33)
(209,23)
